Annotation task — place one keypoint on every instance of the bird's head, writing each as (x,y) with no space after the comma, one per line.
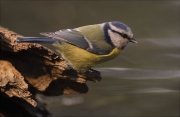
(117,34)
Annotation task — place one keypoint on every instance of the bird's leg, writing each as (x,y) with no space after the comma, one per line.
(91,74)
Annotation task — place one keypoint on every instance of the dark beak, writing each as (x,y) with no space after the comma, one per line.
(133,40)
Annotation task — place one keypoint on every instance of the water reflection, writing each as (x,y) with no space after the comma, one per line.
(156,90)
(139,73)
(170,42)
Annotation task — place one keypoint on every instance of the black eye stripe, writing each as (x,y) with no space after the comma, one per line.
(123,35)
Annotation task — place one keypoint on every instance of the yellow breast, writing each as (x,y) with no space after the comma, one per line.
(81,59)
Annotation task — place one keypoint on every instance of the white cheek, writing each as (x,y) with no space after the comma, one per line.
(116,39)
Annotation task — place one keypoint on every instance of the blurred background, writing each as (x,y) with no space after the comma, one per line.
(144,80)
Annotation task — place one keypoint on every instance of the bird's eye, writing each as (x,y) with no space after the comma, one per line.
(124,36)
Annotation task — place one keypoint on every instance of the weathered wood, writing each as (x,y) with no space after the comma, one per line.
(27,68)
(12,82)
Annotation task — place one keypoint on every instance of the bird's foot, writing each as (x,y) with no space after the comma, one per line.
(91,75)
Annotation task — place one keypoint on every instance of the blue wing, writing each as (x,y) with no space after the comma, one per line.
(74,37)
(71,36)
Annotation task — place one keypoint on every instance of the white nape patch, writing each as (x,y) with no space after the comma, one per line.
(129,33)
(117,40)
(102,25)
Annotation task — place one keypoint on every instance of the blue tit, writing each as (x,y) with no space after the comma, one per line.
(86,46)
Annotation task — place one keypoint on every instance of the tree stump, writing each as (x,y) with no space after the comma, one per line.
(28,68)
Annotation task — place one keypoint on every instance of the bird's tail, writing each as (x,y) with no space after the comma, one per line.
(35,39)
(47,42)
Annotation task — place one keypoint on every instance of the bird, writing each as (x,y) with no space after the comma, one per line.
(86,46)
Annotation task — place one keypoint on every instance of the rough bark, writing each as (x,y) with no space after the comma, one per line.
(27,68)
